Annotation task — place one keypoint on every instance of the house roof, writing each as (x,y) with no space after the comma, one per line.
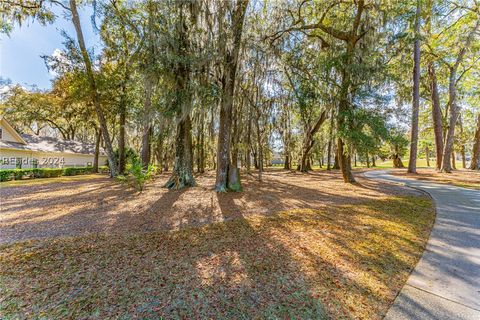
(11,130)
(49,144)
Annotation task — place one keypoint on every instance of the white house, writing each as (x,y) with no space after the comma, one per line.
(30,151)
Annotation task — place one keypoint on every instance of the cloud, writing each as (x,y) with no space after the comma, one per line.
(57,57)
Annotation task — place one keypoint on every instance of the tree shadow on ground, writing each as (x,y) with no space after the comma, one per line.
(295,264)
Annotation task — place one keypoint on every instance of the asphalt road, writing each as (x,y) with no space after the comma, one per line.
(445,284)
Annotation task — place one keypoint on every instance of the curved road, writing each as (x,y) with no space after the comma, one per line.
(445,284)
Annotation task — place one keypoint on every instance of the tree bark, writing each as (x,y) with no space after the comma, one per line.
(121,138)
(248,152)
(462,147)
(454,165)
(260,150)
(147,113)
(182,175)
(228,88)
(436,116)
(475,164)
(452,97)
(98,136)
(309,141)
(330,139)
(159,152)
(427,156)
(93,89)
(412,163)
(201,144)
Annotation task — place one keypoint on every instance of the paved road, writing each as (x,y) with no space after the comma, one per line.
(445,284)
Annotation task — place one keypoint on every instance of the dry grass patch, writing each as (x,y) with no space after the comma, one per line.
(338,261)
(83,205)
(460,178)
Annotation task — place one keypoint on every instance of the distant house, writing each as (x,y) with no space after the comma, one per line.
(277,158)
(30,151)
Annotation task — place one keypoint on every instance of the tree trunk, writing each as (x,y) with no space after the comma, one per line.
(462,143)
(228,87)
(201,151)
(93,89)
(159,152)
(397,161)
(234,183)
(454,164)
(453,108)
(452,97)
(234,142)
(287,165)
(343,110)
(436,116)
(344,162)
(427,156)
(412,163)
(475,164)
(182,175)
(330,139)
(260,151)
(336,165)
(309,141)
(98,136)
(121,139)
(255,159)
(248,159)
(373,162)
(147,114)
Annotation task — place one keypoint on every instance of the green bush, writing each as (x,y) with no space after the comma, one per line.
(137,175)
(19,174)
(104,169)
(77,171)
(7,174)
(50,172)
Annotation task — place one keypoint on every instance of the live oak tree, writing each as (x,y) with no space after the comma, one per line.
(226,85)
(230,26)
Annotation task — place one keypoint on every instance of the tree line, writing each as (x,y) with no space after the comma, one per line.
(197,84)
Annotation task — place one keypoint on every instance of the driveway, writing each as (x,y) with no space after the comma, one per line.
(445,284)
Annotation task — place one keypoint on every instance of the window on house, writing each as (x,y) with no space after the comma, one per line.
(35,163)
(18,163)
(1,134)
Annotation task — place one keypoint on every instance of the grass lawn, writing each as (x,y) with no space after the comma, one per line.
(460,178)
(325,254)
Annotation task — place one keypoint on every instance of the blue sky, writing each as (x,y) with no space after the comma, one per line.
(20,52)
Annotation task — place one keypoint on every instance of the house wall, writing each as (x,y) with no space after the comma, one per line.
(47,159)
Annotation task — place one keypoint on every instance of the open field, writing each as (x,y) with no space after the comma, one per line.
(295,245)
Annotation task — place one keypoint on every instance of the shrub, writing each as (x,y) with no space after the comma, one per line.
(138,176)
(104,169)
(77,171)
(19,174)
(7,174)
(51,172)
